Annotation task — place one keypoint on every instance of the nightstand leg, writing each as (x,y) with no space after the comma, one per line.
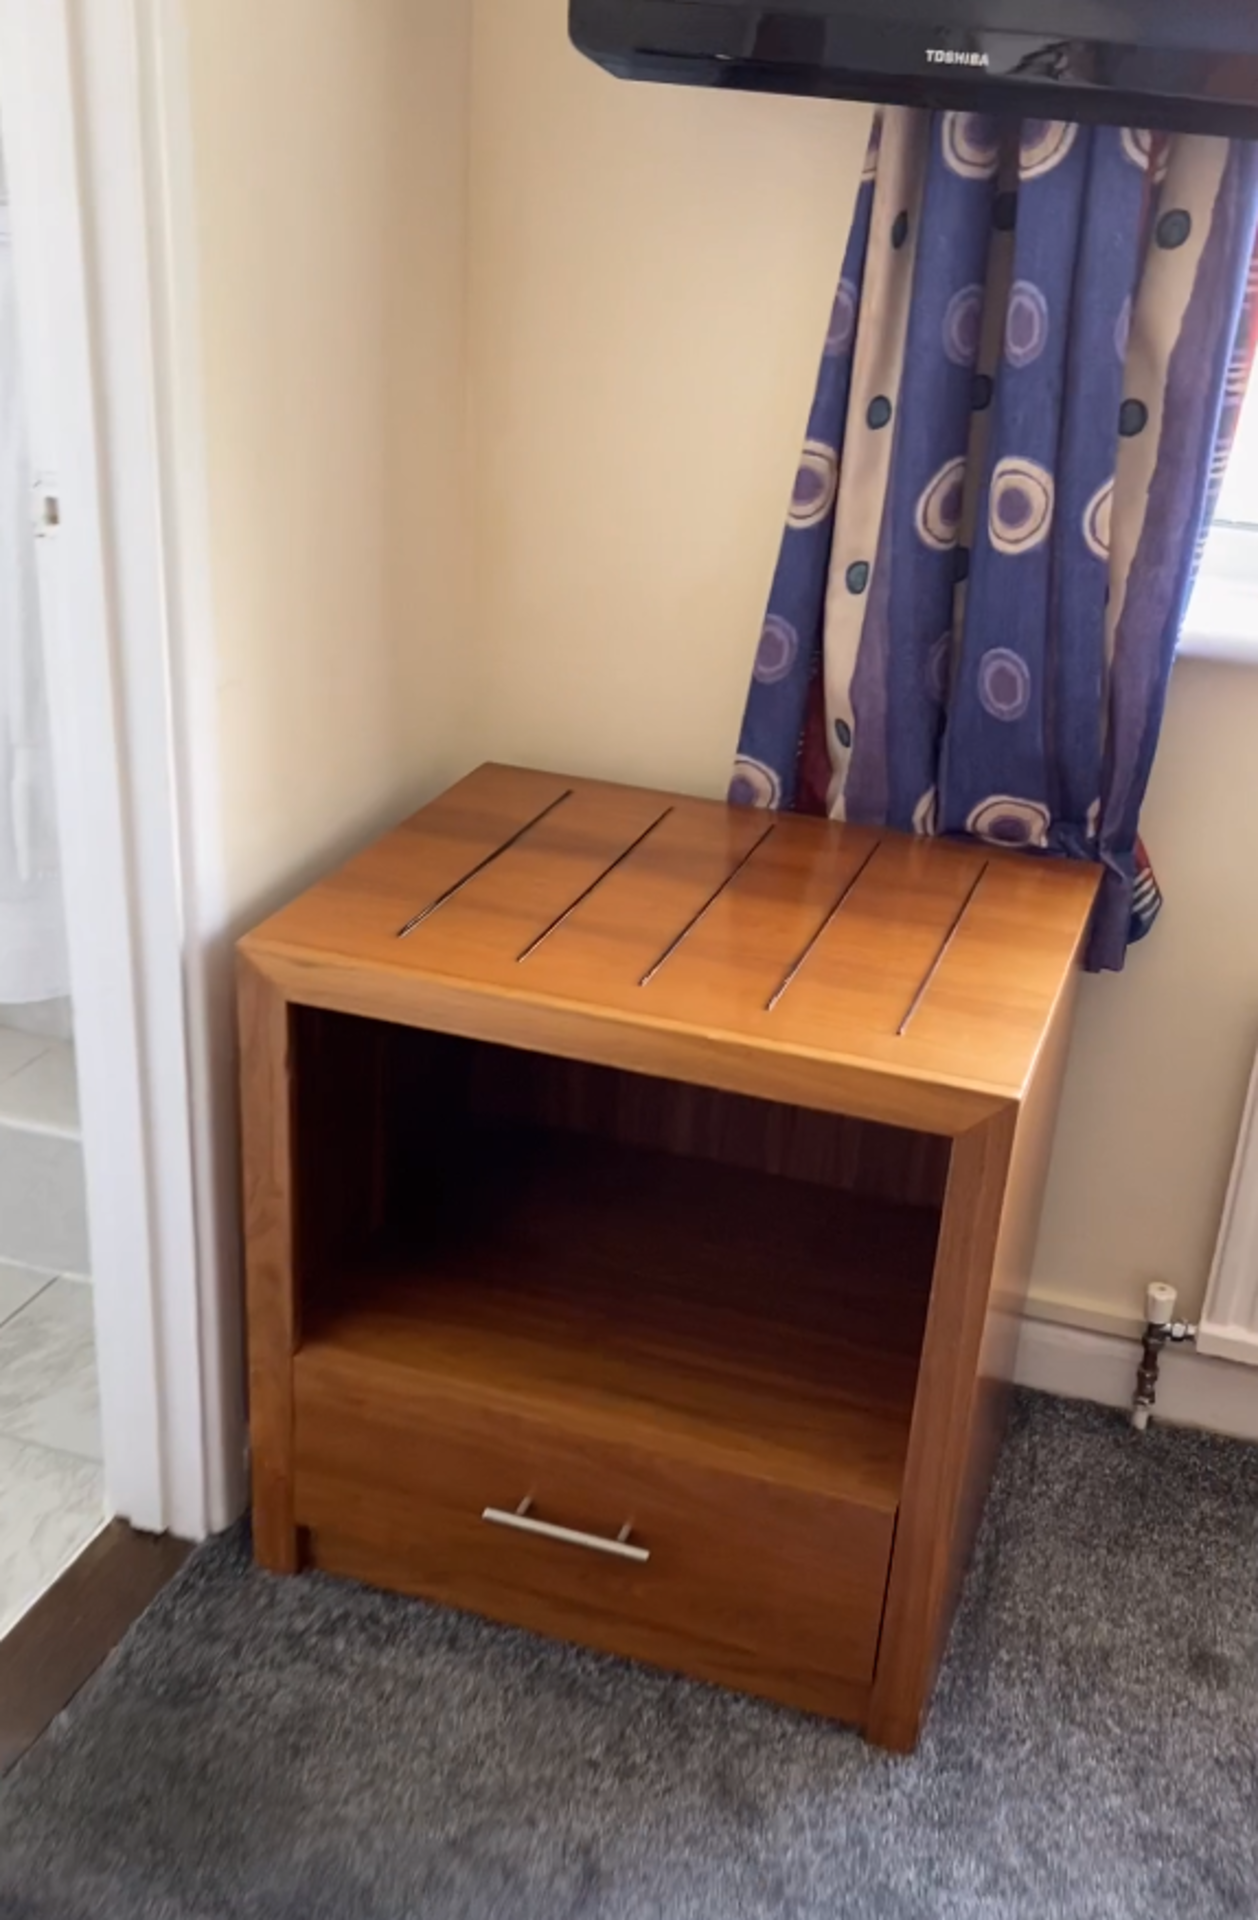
(987,1239)
(957,1422)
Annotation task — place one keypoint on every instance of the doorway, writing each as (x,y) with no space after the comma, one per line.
(98,164)
(52,1498)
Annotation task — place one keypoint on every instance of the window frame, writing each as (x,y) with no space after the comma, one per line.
(1222,618)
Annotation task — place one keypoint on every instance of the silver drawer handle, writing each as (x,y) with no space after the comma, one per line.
(523,1522)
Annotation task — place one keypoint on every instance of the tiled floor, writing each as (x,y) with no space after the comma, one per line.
(37,1083)
(43,1211)
(51,1492)
(18,1050)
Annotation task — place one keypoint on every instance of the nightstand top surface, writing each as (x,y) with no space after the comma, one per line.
(750,943)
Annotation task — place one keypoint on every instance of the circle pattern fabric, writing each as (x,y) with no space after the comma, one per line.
(1173,229)
(938,516)
(1026,324)
(963,326)
(1020,508)
(1044,145)
(777,652)
(1007,821)
(842,320)
(971,145)
(1004,684)
(993,486)
(816,484)
(754,784)
(1096,521)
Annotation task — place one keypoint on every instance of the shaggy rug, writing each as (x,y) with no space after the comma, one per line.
(263,1749)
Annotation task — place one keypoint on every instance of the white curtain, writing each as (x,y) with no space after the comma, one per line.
(32,936)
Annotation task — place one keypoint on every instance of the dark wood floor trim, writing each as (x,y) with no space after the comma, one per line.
(59,1644)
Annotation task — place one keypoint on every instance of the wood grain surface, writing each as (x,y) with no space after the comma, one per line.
(75,1626)
(636,1110)
(891,977)
(626,1292)
(987,1242)
(271,1272)
(785,1584)
(674,1166)
(772,1673)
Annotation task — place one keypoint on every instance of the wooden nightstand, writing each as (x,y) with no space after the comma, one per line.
(640,1193)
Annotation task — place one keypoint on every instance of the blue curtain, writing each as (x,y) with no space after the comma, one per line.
(995,521)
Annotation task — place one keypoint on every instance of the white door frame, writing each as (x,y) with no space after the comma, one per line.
(96,123)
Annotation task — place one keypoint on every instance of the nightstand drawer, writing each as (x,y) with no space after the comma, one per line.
(620,1545)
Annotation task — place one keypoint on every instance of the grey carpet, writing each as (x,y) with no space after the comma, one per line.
(305,1750)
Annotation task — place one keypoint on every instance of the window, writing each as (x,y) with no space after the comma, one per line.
(1222,619)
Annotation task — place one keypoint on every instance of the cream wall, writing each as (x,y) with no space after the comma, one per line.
(650,274)
(330,154)
(1163,1051)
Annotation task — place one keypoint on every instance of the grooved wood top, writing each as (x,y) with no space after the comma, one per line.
(756,941)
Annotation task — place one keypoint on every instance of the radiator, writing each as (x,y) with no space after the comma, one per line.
(1228,1327)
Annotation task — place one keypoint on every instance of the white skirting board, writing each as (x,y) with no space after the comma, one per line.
(1193,1391)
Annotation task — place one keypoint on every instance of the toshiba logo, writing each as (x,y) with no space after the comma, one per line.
(949,57)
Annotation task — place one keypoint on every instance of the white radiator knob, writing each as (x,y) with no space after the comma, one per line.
(1159,1303)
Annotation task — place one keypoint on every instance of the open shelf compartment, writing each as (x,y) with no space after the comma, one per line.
(743,1283)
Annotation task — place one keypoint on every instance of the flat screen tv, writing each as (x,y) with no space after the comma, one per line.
(1187,64)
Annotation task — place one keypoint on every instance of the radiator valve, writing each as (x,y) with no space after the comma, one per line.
(1162,1329)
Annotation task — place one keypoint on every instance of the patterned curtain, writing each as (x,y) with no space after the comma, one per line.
(1030,374)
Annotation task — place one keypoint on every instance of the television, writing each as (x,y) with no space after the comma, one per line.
(1191,65)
